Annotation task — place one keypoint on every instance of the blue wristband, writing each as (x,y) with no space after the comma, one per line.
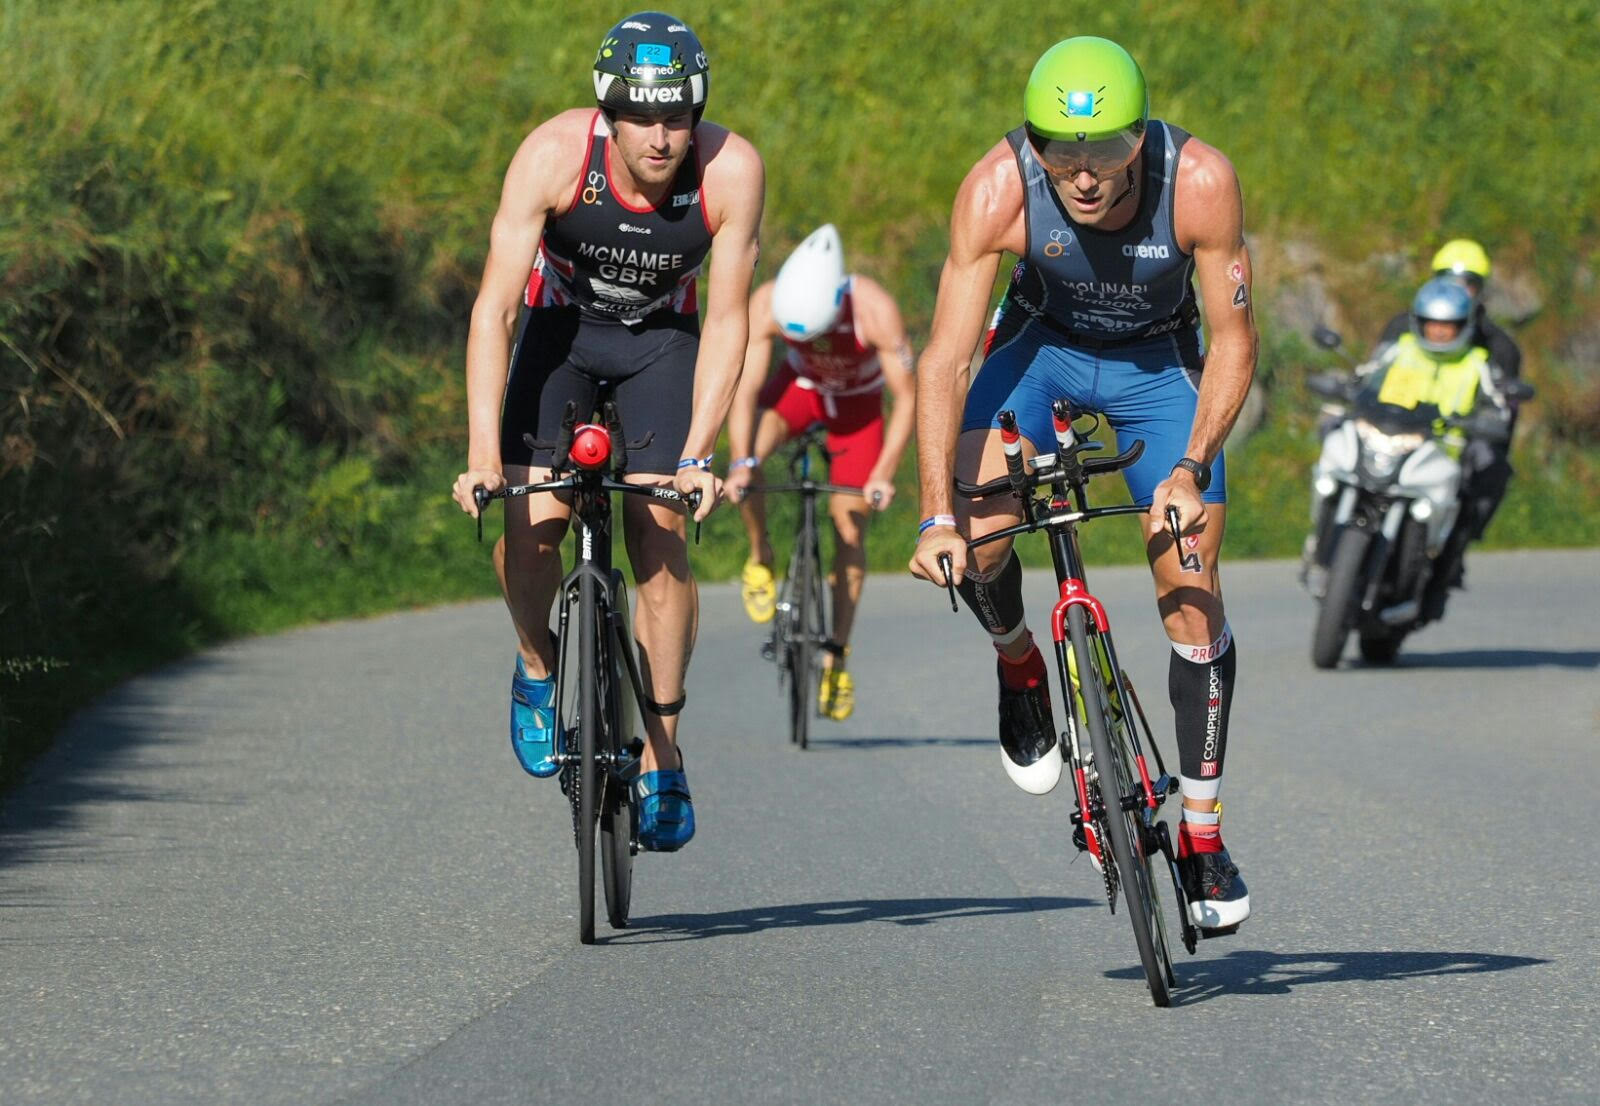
(743,463)
(936,520)
(701,463)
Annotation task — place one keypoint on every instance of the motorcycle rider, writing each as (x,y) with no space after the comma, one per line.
(1442,358)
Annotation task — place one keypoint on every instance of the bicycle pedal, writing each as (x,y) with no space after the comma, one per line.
(1220,931)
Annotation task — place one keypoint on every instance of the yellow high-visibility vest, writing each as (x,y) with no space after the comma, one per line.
(1414,378)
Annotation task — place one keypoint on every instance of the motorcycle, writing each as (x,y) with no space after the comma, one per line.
(1385,497)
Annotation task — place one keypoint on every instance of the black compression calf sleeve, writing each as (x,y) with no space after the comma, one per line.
(996,598)
(1200,682)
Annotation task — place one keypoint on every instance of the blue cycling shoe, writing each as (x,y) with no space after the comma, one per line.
(666,816)
(533,722)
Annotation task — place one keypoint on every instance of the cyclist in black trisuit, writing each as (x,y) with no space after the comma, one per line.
(613,209)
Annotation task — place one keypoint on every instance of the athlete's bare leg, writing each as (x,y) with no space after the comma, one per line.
(980,457)
(528,562)
(771,431)
(1190,603)
(849,514)
(666,616)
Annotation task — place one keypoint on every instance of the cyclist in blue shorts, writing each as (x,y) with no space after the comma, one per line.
(1112,215)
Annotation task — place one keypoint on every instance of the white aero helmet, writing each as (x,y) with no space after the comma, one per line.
(810,288)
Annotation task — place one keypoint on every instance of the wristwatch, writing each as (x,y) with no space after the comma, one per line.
(1201,473)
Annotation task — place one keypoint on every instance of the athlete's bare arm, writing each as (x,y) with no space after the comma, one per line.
(985,223)
(757,363)
(733,188)
(534,190)
(883,329)
(1209,220)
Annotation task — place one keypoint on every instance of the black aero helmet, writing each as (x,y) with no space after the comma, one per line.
(651,64)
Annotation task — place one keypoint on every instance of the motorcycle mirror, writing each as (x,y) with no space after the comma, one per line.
(1326,338)
(1519,391)
(1329,385)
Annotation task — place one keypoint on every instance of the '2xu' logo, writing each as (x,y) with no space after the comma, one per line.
(649,95)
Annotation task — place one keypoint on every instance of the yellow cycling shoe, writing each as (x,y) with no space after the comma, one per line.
(836,698)
(759,591)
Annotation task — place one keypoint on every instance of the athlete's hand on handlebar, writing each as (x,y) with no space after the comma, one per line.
(935,543)
(879,493)
(1177,490)
(490,480)
(737,483)
(703,481)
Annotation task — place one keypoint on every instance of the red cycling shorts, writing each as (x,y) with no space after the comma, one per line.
(854,423)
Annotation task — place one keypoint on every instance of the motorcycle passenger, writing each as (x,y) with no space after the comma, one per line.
(844,344)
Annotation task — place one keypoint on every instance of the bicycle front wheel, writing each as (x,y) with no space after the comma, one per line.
(1119,787)
(618,819)
(589,738)
(802,647)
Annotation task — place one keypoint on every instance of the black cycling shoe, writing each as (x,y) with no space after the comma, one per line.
(1028,746)
(1217,896)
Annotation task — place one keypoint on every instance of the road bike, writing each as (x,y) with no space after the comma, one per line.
(599,692)
(1116,801)
(800,629)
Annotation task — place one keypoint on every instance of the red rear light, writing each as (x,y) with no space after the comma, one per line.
(591,446)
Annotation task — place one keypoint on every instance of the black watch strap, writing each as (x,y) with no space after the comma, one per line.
(1201,473)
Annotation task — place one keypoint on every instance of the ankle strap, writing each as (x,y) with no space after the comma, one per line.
(665,710)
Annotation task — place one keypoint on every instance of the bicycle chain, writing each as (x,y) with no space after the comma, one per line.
(572,788)
(1108,863)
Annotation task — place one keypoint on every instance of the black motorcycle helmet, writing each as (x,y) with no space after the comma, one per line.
(651,64)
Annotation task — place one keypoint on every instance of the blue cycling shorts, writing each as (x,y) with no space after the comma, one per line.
(1144,389)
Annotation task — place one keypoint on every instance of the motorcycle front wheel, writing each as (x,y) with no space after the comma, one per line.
(1346,580)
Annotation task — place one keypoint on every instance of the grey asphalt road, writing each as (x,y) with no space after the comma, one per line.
(305,869)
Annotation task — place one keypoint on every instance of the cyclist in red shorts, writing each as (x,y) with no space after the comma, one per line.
(845,344)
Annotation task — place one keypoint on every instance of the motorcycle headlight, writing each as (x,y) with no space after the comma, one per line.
(1382,453)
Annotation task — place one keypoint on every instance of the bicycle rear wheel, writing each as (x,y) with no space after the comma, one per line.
(618,819)
(1117,780)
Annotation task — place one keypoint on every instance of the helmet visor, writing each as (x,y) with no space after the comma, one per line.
(1102,158)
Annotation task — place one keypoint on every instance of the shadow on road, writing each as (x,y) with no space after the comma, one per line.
(903,912)
(1257,972)
(846,744)
(1496,658)
(93,764)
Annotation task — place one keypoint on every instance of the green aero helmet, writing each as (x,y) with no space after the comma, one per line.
(1085,107)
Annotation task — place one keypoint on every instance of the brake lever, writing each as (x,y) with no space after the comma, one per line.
(1187,562)
(693,502)
(480,496)
(946,563)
